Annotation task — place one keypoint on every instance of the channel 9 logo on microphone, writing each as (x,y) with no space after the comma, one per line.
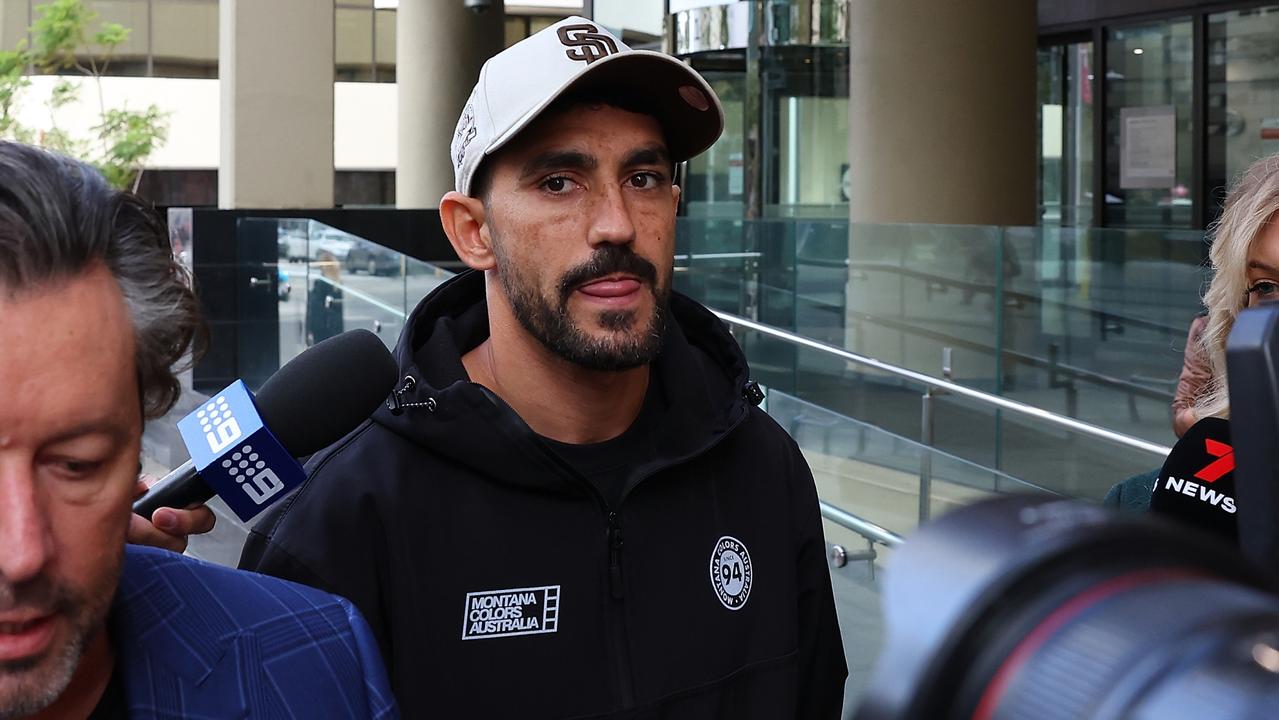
(236,454)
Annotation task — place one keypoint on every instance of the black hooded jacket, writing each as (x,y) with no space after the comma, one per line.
(501,583)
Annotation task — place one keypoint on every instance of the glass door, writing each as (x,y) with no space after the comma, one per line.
(1243,95)
(1149,125)
(1065,80)
(805,128)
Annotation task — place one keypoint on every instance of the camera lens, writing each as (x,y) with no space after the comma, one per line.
(1035,609)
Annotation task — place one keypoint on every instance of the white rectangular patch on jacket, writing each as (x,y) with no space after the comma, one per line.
(507,613)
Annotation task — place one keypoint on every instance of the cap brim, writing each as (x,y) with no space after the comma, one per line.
(666,86)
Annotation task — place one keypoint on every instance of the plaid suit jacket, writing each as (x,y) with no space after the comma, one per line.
(195,641)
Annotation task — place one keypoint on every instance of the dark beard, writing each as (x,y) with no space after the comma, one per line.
(553,327)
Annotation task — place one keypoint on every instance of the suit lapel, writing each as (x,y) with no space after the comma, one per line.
(170,635)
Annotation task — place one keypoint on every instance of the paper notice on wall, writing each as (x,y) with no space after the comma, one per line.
(1148,147)
(736,174)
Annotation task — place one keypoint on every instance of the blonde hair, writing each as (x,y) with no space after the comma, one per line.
(1250,206)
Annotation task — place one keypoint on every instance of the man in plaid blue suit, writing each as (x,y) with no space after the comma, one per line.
(204,641)
(94,316)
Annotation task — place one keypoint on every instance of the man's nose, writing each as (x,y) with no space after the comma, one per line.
(26,544)
(611,218)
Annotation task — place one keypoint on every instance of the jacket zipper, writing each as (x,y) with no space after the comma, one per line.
(617,614)
(613,537)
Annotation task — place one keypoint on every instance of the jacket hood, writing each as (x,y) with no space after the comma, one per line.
(701,375)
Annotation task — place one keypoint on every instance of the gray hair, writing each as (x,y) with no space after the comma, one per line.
(59,218)
(1250,207)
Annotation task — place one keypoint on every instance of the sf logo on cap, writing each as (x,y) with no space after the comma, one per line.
(586,43)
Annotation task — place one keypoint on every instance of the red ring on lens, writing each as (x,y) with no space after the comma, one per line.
(1049,626)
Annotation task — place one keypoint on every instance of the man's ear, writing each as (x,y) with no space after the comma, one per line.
(463,218)
(675,193)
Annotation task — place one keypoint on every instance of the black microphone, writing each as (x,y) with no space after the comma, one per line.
(308,404)
(1196,485)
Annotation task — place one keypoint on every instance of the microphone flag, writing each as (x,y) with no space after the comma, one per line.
(235,453)
(1196,484)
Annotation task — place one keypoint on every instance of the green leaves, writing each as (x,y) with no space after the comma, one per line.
(59,30)
(13,80)
(63,93)
(129,138)
(62,39)
(110,36)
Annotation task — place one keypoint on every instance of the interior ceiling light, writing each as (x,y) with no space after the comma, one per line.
(1137,51)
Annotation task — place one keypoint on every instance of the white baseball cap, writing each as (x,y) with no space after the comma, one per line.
(520,82)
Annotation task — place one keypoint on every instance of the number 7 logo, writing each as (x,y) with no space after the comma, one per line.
(1224,463)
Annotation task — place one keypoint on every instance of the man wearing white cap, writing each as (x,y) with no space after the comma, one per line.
(571,506)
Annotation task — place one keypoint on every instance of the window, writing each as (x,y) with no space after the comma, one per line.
(363,42)
(184,39)
(1243,95)
(353,44)
(132,57)
(1066,134)
(15,18)
(167,38)
(1149,126)
(384,45)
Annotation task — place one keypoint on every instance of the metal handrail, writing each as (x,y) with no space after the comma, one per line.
(861,526)
(950,387)
(982,287)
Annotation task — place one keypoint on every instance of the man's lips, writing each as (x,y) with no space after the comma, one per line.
(610,287)
(24,637)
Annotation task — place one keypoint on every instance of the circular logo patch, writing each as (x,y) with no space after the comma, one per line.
(731,572)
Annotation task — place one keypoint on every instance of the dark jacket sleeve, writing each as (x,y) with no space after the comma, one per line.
(327,536)
(822,668)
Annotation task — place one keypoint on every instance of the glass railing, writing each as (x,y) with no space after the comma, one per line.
(341,282)
(876,475)
(1087,324)
(329,281)
(906,294)
(302,282)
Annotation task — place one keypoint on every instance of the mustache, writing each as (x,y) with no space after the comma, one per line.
(39,594)
(607,260)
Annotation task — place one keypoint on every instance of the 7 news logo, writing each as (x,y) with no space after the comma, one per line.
(1223,464)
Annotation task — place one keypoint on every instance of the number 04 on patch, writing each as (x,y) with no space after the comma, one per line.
(731,575)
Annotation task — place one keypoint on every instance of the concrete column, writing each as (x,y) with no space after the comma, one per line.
(439,48)
(276,68)
(942,112)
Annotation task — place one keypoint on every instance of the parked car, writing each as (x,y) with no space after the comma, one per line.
(334,241)
(372,259)
(291,244)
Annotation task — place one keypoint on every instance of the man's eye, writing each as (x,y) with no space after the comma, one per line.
(76,468)
(644,180)
(557,184)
